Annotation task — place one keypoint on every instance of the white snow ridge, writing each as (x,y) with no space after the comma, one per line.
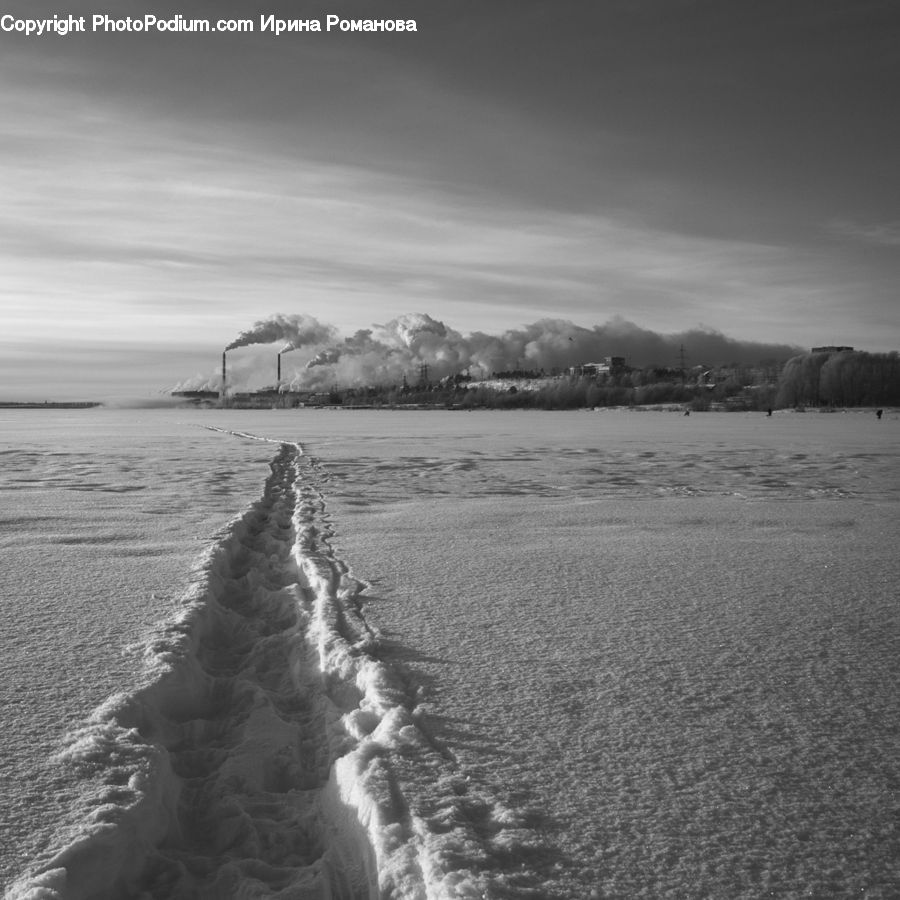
(269,752)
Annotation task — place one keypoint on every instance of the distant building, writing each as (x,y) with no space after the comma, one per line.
(611,365)
(832,350)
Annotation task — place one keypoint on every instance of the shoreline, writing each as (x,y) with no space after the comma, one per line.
(49,404)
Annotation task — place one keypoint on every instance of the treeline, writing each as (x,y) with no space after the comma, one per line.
(836,379)
(569,393)
(581,393)
(846,378)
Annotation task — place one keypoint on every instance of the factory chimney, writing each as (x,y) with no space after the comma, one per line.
(222,396)
(278,382)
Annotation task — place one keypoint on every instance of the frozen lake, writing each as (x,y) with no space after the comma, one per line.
(626,653)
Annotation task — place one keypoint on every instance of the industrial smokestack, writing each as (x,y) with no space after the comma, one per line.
(383,353)
(278,381)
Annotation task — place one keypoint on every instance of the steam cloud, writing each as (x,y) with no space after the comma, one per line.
(385,354)
(298,331)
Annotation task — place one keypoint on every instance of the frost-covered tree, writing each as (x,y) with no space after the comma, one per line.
(844,378)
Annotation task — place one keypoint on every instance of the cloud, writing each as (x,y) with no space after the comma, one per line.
(120,219)
(166,222)
(884,234)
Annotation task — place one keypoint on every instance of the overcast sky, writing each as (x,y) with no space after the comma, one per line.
(730,164)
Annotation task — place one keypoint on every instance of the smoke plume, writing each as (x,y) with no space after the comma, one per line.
(385,354)
(413,344)
(297,330)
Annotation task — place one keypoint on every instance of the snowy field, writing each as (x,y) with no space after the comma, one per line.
(549,655)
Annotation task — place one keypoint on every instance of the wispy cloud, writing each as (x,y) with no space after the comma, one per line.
(884,234)
(116,223)
(104,211)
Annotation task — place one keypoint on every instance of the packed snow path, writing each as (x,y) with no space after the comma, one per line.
(270,751)
(253,758)
(215,775)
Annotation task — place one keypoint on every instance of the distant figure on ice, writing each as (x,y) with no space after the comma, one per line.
(878,412)
(687,412)
(769,411)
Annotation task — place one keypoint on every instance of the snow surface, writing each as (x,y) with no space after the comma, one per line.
(613,654)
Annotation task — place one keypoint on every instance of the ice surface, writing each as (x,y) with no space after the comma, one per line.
(450,654)
(674,639)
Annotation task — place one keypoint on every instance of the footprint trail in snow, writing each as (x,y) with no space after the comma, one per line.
(255,762)
(269,750)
